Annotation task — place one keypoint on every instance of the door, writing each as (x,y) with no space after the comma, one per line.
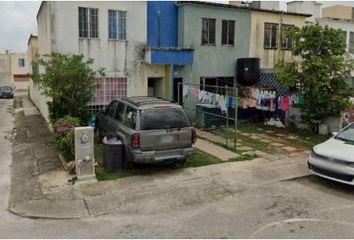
(155,87)
(178,90)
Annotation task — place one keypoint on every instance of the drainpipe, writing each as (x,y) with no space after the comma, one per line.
(158,28)
(172,69)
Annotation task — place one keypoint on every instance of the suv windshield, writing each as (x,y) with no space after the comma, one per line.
(6,89)
(347,134)
(163,118)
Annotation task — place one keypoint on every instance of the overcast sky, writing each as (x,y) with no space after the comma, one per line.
(18,21)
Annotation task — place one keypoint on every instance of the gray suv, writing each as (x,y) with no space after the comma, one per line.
(152,129)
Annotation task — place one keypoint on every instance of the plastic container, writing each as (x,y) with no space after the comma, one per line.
(112,154)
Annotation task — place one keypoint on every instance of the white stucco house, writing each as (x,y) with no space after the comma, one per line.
(112,33)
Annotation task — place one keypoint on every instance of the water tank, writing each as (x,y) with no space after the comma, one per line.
(248,72)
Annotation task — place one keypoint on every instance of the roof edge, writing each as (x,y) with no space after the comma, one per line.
(222,5)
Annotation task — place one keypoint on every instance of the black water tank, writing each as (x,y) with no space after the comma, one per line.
(248,72)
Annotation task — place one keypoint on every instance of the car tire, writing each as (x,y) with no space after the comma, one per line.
(127,162)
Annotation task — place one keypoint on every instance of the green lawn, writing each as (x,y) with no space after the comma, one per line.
(197,160)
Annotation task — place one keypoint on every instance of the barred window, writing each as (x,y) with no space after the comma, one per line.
(271,35)
(116,24)
(285,40)
(88,22)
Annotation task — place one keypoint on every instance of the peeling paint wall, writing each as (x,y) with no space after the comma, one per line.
(44,29)
(120,58)
(58,31)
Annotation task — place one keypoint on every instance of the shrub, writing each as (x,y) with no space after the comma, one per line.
(69,81)
(63,130)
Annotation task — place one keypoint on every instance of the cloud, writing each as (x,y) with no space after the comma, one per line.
(17,22)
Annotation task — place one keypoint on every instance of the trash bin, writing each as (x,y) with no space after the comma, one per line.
(112,154)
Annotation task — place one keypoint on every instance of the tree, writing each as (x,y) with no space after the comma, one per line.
(69,81)
(319,72)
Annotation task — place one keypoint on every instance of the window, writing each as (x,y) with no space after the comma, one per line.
(2,63)
(88,22)
(35,68)
(110,109)
(285,40)
(208,31)
(344,35)
(120,112)
(351,42)
(216,84)
(130,117)
(116,24)
(164,118)
(270,35)
(228,32)
(21,62)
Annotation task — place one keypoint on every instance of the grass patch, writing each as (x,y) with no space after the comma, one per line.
(306,138)
(17,102)
(202,158)
(199,159)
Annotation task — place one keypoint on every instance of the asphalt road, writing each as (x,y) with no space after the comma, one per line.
(307,207)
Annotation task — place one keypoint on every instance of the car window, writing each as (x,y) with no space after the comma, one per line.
(110,109)
(163,118)
(347,134)
(130,117)
(120,112)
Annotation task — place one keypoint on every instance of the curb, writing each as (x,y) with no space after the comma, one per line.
(47,209)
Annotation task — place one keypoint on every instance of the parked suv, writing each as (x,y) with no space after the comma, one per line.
(152,129)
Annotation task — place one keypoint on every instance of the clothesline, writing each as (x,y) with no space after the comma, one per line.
(254,98)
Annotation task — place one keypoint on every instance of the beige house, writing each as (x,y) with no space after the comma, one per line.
(13,70)
(268,39)
(338,12)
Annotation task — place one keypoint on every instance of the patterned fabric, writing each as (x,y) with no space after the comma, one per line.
(268,80)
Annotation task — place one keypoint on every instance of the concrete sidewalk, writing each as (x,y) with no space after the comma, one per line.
(39,186)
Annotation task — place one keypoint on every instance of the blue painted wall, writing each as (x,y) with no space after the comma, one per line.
(167,36)
(178,57)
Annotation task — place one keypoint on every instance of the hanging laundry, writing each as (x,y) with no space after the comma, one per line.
(185,90)
(252,102)
(301,100)
(285,103)
(201,95)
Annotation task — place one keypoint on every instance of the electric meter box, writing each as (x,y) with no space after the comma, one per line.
(84,154)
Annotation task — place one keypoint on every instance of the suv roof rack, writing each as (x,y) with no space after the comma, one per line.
(143,100)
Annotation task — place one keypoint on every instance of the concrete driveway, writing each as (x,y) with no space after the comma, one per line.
(248,206)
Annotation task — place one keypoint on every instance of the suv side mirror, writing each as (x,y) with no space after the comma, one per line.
(334,133)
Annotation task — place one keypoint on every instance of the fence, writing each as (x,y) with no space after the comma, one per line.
(211,108)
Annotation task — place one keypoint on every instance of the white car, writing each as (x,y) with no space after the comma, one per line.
(334,159)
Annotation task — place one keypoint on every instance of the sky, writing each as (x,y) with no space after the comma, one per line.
(18,21)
